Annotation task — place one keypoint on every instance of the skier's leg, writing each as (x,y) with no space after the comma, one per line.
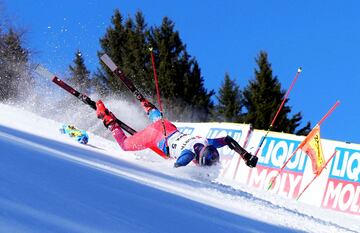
(131,143)
(146,138)
(109,120)
(147,105)
(149,137)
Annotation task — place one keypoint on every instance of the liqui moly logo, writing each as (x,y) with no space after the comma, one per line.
(346,165)
(343,187)
(221,132)
(275,151)
(287,183)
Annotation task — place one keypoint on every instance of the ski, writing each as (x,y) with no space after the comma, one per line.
(127,82)
(88,101)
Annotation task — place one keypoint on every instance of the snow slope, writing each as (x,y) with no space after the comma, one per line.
(49,183)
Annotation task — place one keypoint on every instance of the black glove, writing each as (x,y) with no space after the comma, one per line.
(252,161)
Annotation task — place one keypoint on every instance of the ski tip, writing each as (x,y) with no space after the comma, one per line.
(108,62)
(40,70)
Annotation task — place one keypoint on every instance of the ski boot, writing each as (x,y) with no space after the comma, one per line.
(104,114)
(147,105)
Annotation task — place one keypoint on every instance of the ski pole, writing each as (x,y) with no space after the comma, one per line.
(278,111)
(317,175)
(156,79)
(158,97)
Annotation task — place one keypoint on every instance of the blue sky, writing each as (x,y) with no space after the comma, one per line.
(225,36)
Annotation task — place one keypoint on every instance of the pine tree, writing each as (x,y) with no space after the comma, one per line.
(14,76)
(196,95)
(128,42)
(137,64)
(169,51)
(263,96)
(112,44)
(179,75)
(229,101)
(80,75)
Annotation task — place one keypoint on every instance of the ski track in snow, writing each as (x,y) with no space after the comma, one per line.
(220,205)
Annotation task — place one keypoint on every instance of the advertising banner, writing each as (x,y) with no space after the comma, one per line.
(337,187)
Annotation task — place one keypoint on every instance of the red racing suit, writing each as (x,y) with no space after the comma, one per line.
(183,147)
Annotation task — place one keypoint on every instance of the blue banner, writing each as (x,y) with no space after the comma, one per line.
(275,152)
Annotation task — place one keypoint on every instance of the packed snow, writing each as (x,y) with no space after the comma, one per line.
(50,183)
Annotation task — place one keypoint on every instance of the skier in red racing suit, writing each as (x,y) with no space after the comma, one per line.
(182,147)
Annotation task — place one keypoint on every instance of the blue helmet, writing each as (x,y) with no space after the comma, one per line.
(209,155)
(83,139)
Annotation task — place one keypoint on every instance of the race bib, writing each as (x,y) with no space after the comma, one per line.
(179,142)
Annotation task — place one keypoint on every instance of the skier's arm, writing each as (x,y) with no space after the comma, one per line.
(185,158)
(225,141)
(218,142)
(250,159)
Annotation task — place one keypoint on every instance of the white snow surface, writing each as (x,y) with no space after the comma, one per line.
(50,183)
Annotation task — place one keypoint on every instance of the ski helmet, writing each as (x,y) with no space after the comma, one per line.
(208,156)
(83,139)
